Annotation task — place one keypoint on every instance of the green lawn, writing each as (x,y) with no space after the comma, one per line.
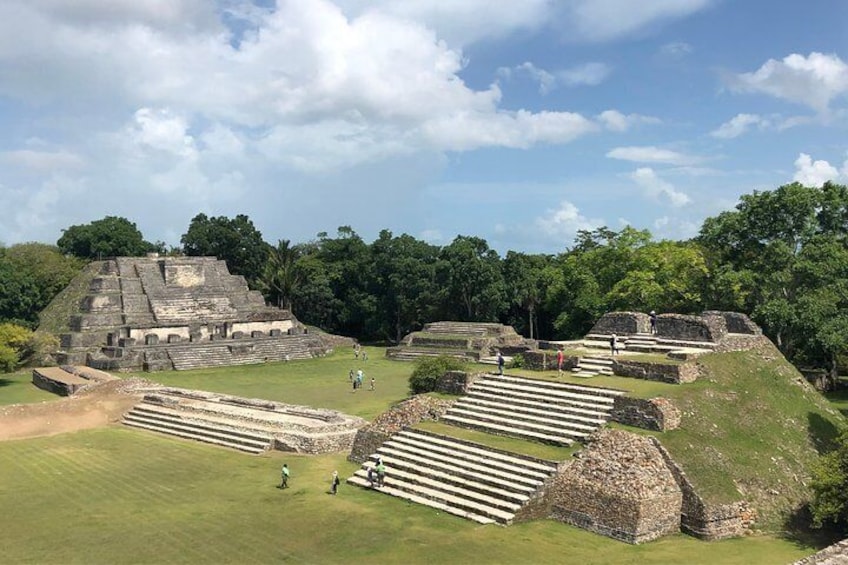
(120,495)
(17,388)
(117,495)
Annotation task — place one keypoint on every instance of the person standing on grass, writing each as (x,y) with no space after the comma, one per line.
(334,485)
(372,383)
(284,477)
(559,361)
(500,363)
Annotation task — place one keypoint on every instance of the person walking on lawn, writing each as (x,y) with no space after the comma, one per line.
(284,476)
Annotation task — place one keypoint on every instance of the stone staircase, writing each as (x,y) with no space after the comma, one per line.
(648,343)
(198,426)
(534,409)
(240,352)
(413,354)
(592,365)
(455,476)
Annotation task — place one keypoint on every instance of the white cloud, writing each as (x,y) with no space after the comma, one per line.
(42,161)
(564,222)
(587,74)
(601,20)
(657,188)
(614,120)
(675,50)
(814,80)
(816,173)
(651,154)
(739,125)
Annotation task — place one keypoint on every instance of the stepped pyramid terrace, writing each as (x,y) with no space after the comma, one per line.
(163,313)
(614,482)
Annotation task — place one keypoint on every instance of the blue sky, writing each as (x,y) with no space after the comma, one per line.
(519,122)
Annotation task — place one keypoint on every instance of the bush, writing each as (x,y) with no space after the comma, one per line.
(13,346)
(428,370)
(517,361)
(830,486)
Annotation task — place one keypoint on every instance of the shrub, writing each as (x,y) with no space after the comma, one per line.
(13,346)
(428,370)
(517,361)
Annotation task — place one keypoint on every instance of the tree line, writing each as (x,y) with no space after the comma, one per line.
(779,256)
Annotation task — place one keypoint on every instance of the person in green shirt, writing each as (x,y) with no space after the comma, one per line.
(284,477)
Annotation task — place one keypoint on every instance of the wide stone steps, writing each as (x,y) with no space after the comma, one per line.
(171,422)
(456,476)
(406,354)
(588,411)
(541,412)
(256,351)
(551,412)
(420,499)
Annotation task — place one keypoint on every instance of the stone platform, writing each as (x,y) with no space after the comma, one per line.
(67,380)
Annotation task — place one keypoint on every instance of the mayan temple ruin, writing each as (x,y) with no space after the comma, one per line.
(162,313)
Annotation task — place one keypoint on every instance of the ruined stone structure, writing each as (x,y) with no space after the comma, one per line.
(177,313)
(620,487)
(472,341)
(246,424)
(710,327)
(68,380)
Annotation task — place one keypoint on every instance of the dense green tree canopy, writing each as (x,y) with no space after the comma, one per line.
(110,237)
(236,241)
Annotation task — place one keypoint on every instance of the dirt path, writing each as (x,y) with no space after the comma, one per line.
(99,406)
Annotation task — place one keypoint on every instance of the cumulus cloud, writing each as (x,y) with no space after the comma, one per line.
(816,173)
(814,80)
(657,188)
(565,221)
(651,154)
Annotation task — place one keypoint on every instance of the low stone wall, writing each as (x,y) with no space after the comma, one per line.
(691,328)
(622,323)
(407,413)
(663,372)
(456,382)
(436,341)
(703,520)
(739,342)
(619,486)
(317,444)
(736,322)
(657,414)
(546,361)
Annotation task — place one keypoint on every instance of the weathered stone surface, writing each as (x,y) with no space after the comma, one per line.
(691,328)
(620,487)
(658,414)
(407,413)
(622,323)
(836,554)
(736,322)
(703,520)
(470,340)
(456,382)
(651,371)
(546,361)
(138,306)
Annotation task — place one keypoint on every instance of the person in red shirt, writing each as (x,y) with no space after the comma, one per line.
(559,362)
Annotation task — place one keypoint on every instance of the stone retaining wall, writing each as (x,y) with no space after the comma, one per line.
(736,322)
(836,554)
(738,342)
(691,328)
(622,323)
(619,486)
(657,414)
(407,413)
(456,382)
(703,520)
(663,372)
(546,361)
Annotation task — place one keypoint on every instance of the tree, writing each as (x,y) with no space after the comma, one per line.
(13,344)
(428,370)
(236,241)
(110,237)
(403,282)
(279,277)
(472,283)
(526,284)
(830,486)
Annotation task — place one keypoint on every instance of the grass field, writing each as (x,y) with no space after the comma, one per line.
(120,495)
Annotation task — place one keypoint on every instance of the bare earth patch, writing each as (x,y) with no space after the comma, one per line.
(98,406)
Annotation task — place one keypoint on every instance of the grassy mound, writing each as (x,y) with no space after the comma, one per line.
(56,317)
(751,427)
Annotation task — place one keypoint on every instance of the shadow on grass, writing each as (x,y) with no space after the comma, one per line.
(822,433)
(5,382)
(798,529)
